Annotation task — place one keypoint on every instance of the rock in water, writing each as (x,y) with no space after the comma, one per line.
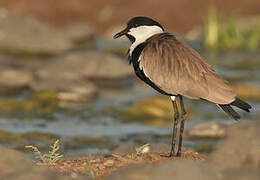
(12,80)
(78,70)
(210,129)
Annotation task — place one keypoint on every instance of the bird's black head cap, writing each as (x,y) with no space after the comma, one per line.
(137,22)
(142,21)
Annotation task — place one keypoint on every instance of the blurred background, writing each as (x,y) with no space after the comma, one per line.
(64,77)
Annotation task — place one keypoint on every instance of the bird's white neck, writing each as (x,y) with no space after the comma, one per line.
(141,34)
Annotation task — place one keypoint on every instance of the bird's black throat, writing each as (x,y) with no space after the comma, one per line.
(131,38)
(133,58)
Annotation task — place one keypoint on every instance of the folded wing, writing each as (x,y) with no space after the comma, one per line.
(178,69)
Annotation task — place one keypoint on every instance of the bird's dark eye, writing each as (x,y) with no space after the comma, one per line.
(135,25)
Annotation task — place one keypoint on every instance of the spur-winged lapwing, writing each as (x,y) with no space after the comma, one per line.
(174,69)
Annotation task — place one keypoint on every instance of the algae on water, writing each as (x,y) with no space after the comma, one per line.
(42,100)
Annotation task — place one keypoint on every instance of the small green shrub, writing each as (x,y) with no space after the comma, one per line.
(53,155)
(91,172)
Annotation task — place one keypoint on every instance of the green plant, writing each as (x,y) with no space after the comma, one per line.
(212,26)
(230,36)
(53,155)
(91,172)
(253,39)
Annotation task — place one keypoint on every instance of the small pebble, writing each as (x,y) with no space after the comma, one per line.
(101,167)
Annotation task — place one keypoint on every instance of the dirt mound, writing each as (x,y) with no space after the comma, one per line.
(103,166)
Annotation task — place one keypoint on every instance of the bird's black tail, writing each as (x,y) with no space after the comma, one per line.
(230,111)
(241,104)
(238,103)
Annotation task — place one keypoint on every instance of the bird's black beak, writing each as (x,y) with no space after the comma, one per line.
(124,32)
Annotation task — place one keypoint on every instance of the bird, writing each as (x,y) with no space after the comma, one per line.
(173,68)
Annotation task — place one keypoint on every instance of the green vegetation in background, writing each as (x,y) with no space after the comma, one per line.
(230,35)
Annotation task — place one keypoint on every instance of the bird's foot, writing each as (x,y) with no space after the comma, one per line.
(171,154)
(167,155)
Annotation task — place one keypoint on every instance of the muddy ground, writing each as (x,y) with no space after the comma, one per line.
(101,167)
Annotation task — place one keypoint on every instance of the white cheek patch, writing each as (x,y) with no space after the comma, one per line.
(141,34)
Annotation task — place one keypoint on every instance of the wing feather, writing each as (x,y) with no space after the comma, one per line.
(178,69)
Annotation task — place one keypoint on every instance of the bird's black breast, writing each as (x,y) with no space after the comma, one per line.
(139,72)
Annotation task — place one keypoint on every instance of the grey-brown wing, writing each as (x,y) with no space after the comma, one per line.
(178,69)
